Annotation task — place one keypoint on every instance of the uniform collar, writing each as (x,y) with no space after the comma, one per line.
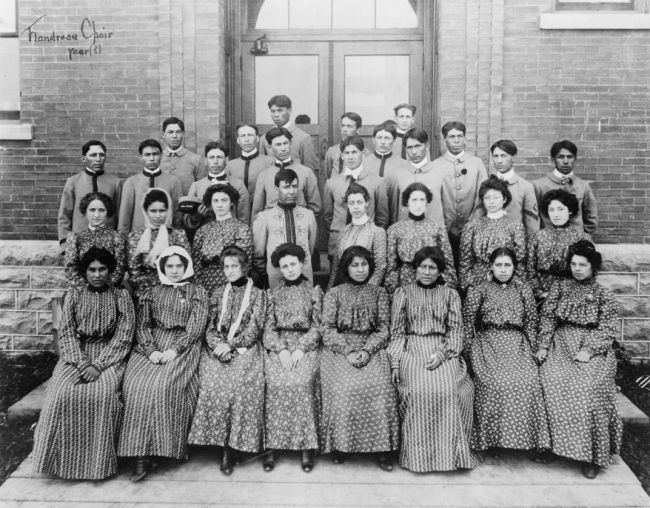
(462,156)
(175,153)
(510,177)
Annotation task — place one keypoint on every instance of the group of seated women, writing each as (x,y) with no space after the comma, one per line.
(389,360)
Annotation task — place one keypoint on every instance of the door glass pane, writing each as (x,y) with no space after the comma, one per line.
(376,84)
(292,75)
(395,14)
(310,13)
(273,14)
(353,13)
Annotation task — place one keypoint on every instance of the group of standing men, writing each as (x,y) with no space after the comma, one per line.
(281,212)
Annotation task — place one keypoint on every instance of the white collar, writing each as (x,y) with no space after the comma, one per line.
(224,217)
(400,131)
(354,173)
(496,215)
(420,164)
(149,172)
(460,156)
(248,154)
(507,176)
(561,176)
(284,161)
(216,175)
(360,222)
(175,151)
(287,125)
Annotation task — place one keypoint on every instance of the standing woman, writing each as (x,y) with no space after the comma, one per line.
(436,393)
(161,380)
(146,244)
(547,253)
(359,409)
(76,433)
(361,231)
(96,207)
(292,334)
(500,319)
(211,238)
(409,235)
(230,410)
(577,326)
(481,236)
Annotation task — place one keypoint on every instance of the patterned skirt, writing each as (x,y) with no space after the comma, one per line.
(509,409)
(76,435)
(581,400)
(436,408)
(230,410)
(359,409)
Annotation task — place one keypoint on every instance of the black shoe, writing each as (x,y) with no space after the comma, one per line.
(544,457)
(384,462)
(269,461)
(226,461)
(307,461)
(589,470)
(140,470)
(337,457)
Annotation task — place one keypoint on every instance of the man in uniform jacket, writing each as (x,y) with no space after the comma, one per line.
(177,160)
(333,163)
(383,161)
(405,120)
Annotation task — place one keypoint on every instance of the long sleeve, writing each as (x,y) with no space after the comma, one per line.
(332,338)
(260,238)
(197,248)
(214,336)
(328,163)
(392,257)
(393,197)
(397,342)
(66,210)
(470,313)
(195,327)
(379,338)
(379,255)
(244,240)
(119,251)
(127,207)
(530,212)
(310,339)
(520,251)
(74,278)
(312,194)
(548,317)
(312,228)
(145,344)
(466,255)
(382,213)
(531,320)
(251,333)
(328,206)
(118,196)
(271,338)
(122,339)
(454,322)
(449,274)
(244,205)
(259,198)
(68,341)
(589,211)
(308,155)
(334,270)
(601,339)
(532,262)
(176,193)
(135,262)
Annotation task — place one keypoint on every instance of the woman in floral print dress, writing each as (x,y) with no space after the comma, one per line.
(500,321)
(213,237)
(549,247)
(292,335)
(359,409)
(230,410)
(578,323)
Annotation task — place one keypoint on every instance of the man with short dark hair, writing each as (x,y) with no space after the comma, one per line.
(405,121)
(564,155)
(177,160)
(302,148)
(285,222)
(91,179)
(333,163)
(382,161)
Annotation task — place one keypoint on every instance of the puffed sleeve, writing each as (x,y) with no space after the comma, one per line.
(454,322)
(392,258)
(332,338)
(68,341)
(601,339)
(379,256)
(195,327)
(119,248)
(470,314)
(379,338)
(531,320)
(548,316)
(466,255)
(271,338)
(71,261)
(397,329)
(120,343)
(311,339)
(251,329)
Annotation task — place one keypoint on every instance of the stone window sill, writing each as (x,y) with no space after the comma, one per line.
(15,131)
(589,20)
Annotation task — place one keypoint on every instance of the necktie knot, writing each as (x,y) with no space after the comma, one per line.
(284,164)
(567,180)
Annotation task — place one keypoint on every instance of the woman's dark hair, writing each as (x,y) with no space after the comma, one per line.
(416,186)
(503,251)
(587,250)
(493,183)
(164,259)
(96,254)
(432,253)
(287,249)
(156,196)
(352,141)
(346,260)
(100,196)
(224,188)
(506,145)
(355,188)
(232,251)
(564,197)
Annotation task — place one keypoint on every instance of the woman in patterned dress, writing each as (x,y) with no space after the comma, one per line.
(549,247)
(361,231)
(500,321)
(161,380)
(145,244)
(409,235)
(359,403)
(76,433)
(435,391)
(230,410)
(97,207)
(578,323)
(481,236)
(292,334)
(211,238)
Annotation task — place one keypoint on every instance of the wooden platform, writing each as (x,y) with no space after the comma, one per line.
(513,481)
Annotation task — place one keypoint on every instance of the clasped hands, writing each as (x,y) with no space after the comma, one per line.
(582,356)
(223,352)
(89,373)
(164,357)
(290,360)
(359,358)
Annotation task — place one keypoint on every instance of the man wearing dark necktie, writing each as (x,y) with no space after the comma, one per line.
(251,162)
(333,162)
(564,155)
(405,120)
(91,179)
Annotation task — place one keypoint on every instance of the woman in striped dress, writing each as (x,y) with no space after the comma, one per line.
(230,410)
(145,244)
(435,391)
(211,238)
(76,433)
(292,334)
(578,324)
(359,409)
(161,380)
(97,207)
(361,231)
(409,235)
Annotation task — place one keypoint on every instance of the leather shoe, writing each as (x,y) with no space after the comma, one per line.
(226,461)
(589,470)
(307,461)
(269,461)
(384,462)
(140,470)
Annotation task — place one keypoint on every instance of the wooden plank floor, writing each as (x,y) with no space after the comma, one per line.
(513,481)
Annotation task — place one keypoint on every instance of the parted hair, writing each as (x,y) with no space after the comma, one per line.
(503,251)
(164,259)
(417,134)
(432,253)
(355,188)
(96,254)
(386,126)
(355,117)
(154,196)
(506,145)
(287,249)
(416,186)
(100,196)
(215,145)
(286,175)
(172,120)
(246,124)
(276,132)
(149,142)
(280,101)
(566,198)
(347,257)
(225,188)
(352,141)
(566,144)
(493,183)
(233,251)
(93,142)
(404,105)
(459,126)
(587,250)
